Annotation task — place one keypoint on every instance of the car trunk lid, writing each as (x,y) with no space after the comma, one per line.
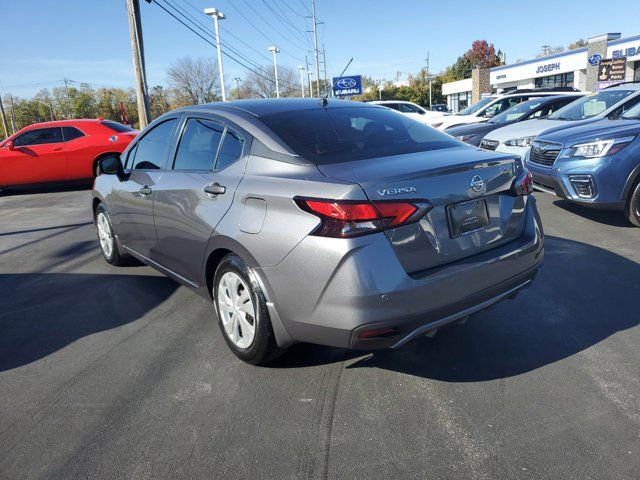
(473,209)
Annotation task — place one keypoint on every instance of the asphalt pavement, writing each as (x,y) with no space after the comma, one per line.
(112,372)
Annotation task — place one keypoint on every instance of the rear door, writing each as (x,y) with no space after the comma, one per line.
(196,191)
(38,157)
(132,201)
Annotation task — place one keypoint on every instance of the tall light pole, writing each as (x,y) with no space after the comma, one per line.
(218,15)
(237,80)
(301,68)
(4,120)
(275,50)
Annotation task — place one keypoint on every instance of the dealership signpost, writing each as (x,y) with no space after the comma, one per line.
(611,71)
(347,86)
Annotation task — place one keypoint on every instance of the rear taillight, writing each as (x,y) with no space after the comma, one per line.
(346,218)
(523,184)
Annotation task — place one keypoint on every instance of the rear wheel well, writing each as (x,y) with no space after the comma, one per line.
(94,168)
(212,264)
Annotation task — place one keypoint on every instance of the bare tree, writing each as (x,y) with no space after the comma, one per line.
(194,81)
(263,83)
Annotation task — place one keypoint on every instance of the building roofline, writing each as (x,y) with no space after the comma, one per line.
(541,59)
(564,54)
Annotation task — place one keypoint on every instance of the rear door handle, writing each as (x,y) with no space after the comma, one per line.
(57,149)
(145,191)
(214,189)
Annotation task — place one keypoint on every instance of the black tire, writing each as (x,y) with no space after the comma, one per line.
(263,347)
(114,257)
(632,209)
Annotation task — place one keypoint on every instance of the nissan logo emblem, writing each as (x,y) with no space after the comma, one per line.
(477,183)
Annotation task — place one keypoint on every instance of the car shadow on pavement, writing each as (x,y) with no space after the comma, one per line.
(582,296)
(44,312)
(73,187)
(613,218)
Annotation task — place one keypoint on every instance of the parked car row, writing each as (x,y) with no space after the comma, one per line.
(583,148)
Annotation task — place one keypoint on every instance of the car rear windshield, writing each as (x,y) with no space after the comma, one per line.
(344,134)
(590,105)
(117,127)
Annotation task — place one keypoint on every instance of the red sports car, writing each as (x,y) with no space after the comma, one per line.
(60,151)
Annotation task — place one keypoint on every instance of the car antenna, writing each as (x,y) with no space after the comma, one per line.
(323,100)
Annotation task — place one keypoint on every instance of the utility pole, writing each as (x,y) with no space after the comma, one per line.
(430,78)
(324,70)
(12,116)
(275,50)
(309,75)
(4,120)
(66,92)
(306,63)
(301,68)
(315,45)
(545,50)
(137,54)
(218,15)
(237,80)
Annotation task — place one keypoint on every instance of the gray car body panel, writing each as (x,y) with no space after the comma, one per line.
(320,289)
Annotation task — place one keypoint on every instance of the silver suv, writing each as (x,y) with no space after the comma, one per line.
(331,222)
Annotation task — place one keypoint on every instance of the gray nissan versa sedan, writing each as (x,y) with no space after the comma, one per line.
(324,221)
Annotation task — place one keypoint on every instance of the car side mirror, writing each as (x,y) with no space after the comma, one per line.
(421,112)
(111,165)
(9,145)
(489,113)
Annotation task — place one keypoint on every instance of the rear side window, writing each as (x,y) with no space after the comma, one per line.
(231,149)
(116,127)
(152,149)
(344,134)
(198,145)
(71,133)
(590,105)
(39,136)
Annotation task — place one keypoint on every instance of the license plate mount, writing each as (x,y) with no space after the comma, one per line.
(467,216)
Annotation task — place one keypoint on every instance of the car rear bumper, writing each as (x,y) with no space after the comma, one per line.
(329,291)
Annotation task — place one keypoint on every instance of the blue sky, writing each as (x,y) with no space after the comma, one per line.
(45,41)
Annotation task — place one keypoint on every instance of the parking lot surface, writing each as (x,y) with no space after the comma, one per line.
(121,373)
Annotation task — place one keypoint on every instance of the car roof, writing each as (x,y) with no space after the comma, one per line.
(269,106)
(382,102)
(64,123)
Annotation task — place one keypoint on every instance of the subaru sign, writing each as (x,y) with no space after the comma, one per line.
(347,86)
(595,59)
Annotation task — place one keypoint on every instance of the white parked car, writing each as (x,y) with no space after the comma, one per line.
(411,109)
(491,106)
(608,103)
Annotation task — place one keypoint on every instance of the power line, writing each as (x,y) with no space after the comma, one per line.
(292,9)
(207,32)
(279,31)
(213,44)
(287,21)
(305,7)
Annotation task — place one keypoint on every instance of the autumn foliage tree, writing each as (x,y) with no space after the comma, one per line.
(482,54)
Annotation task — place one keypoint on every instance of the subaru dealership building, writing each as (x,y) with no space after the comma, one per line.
(575,68)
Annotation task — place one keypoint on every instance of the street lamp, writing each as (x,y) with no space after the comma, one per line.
(218,15)
(275,50)
(237,80)
(301,68)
